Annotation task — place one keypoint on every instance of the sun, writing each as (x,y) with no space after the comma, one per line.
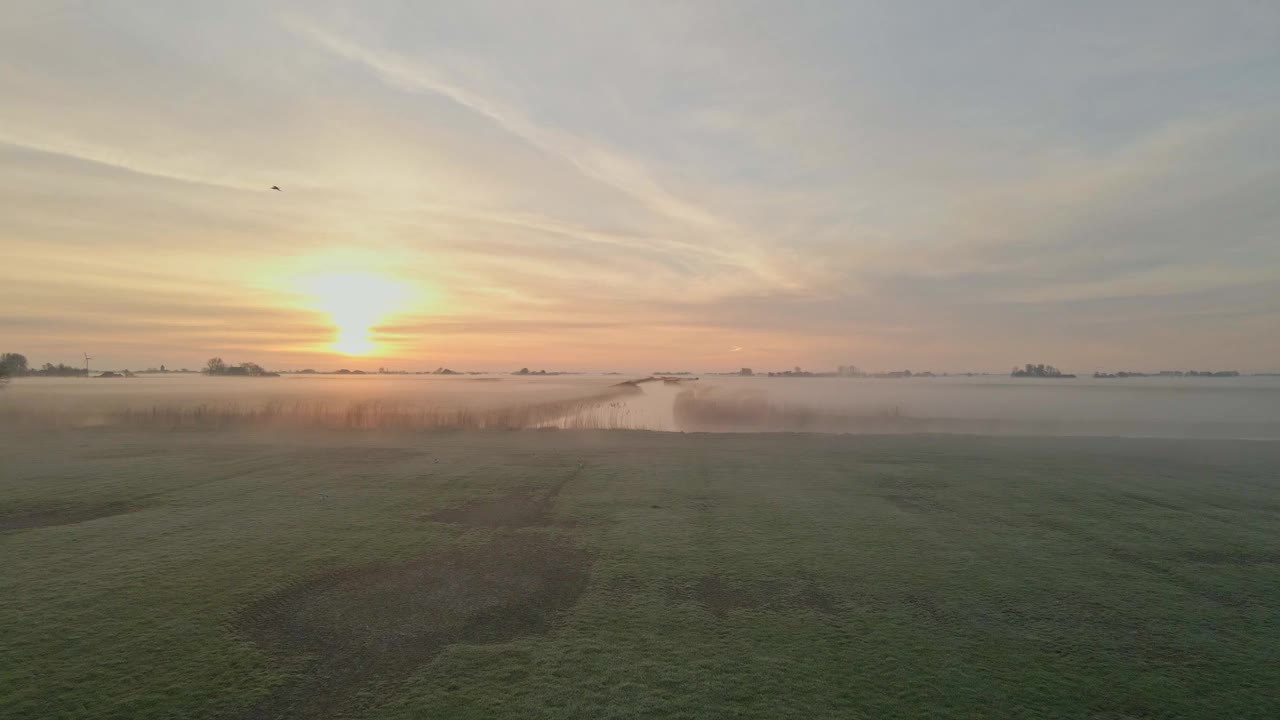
(354,342)
(356,302)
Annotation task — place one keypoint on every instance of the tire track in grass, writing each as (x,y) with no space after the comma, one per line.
(364,630)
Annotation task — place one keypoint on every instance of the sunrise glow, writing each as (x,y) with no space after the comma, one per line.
(355,302)
(424,185)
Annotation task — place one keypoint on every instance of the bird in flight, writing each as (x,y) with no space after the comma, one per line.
(276,188)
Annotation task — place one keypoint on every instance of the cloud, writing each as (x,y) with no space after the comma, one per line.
(593,160)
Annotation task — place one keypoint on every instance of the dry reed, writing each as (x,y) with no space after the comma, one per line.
(318,414)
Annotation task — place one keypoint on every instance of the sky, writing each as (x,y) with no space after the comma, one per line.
(649,186)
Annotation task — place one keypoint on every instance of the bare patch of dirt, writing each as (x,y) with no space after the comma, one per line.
(371,627)
(61,515)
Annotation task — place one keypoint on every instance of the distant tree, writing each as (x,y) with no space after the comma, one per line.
(59,370)
(215,366)
(746,371)
(13,364)
(1039,371)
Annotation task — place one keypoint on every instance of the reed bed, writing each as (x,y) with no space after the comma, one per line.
(616,415)
(316,414)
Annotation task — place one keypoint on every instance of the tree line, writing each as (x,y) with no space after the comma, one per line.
(216,366)
(16,365)
(1039,371)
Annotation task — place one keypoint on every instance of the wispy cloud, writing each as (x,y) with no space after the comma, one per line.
(594,160)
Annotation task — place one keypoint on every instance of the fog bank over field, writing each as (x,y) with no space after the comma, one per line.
(1242,408)
(1247,407)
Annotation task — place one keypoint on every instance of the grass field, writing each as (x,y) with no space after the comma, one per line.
(203,574)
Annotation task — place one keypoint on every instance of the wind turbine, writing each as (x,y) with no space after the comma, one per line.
(86,364)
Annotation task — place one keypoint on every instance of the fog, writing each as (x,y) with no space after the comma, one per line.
(1244,407)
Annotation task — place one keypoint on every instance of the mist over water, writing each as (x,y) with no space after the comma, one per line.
(1242,408)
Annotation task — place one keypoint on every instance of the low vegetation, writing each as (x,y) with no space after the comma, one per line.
(318,414)
(606,575)
(361,415)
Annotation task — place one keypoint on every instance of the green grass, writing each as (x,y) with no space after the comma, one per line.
(530,574)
